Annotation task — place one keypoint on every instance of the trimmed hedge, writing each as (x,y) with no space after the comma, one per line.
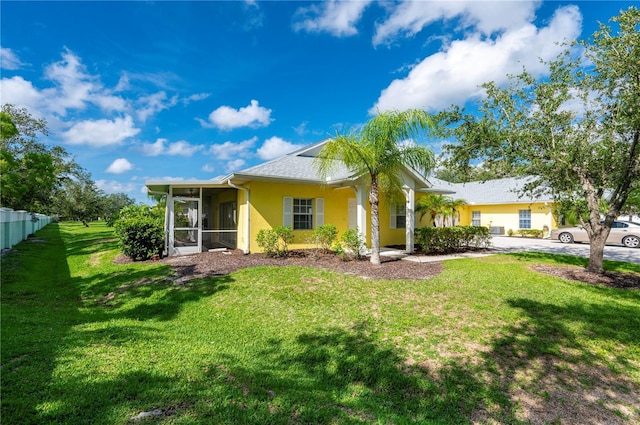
(530,233)
(452,239)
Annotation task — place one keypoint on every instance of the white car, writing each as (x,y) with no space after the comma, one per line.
(626,233)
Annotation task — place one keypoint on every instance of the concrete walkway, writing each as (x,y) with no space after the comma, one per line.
(503,244)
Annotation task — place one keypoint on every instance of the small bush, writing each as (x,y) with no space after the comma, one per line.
(510,232)
(351,242)
(451,239)
(275,242)
(530,233)
(323,238)
(140,232)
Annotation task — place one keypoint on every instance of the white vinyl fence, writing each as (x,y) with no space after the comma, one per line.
(15,226)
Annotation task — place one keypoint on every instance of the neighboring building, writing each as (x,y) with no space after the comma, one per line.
(498,205)
(228,212)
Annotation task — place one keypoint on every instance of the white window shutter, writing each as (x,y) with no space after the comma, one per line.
(287,211)
(319,212)
(393,220)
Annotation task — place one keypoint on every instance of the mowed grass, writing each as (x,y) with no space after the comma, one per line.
(88,341)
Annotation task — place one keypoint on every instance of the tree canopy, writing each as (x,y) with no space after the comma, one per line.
(46,179)
(376,152)
(577,130)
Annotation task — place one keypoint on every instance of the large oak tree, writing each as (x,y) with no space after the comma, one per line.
(577,130)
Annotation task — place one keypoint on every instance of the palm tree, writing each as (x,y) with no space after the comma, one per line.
(453,213)
(376,151)
(432,204)
(442,209)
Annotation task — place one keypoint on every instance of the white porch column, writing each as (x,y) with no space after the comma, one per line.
(410,225)
(169,230)
(361,209)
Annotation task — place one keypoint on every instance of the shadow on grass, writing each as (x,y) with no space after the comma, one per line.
(324,376)
(42,308)
(572,260)
(567,379)
(343,376)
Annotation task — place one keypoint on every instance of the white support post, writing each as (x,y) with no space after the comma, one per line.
(410,223)
(170,230)
(361,209)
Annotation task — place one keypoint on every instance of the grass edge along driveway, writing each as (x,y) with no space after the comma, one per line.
(85,340)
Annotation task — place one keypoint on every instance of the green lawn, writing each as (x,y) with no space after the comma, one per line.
(87,341)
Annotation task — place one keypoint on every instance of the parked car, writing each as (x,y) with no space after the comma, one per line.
(626,233)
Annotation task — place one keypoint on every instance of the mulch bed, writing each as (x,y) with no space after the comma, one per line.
(608,278)
(210,264)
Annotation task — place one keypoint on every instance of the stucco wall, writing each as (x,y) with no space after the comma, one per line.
(267,212)
(507,215)
(267,208)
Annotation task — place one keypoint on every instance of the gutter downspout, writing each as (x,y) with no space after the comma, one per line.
(166,220)
(247,221)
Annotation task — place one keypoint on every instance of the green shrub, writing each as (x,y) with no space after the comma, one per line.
(510,232)
(530,233)
(140,232)
(275,242)
(451,239)
(351,242)
(323,237)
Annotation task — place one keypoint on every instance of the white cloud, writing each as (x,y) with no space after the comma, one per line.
(235,165)
(154,103)
(20,92)
(119,166)
(154,149)
(229,150)
(73,89)
(100,133)
(275,147)
(253,16)
(208,168)
(181,148)
(301,129)
(335,17)
(228,118)
(454,74)
(9,60)
(112,186)
(195,98)
(410,17)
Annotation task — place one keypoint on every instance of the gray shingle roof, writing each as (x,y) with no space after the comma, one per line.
(294,167)
(498,191)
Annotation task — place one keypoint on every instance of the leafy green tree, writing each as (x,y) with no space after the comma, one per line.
(112,204)
(483,172)
(375,152)
(577,131)
(79,199)
(7,127)
(30,171)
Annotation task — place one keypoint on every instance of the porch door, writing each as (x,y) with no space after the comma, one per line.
(228,224)
(186,222)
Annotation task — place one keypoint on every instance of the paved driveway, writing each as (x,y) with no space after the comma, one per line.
(611,252)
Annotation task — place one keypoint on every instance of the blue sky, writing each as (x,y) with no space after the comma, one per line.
(141,91)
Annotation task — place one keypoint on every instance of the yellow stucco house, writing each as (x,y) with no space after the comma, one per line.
(228,212)
(497,204)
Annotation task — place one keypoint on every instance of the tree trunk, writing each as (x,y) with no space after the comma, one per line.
(375,222)
(596,253)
